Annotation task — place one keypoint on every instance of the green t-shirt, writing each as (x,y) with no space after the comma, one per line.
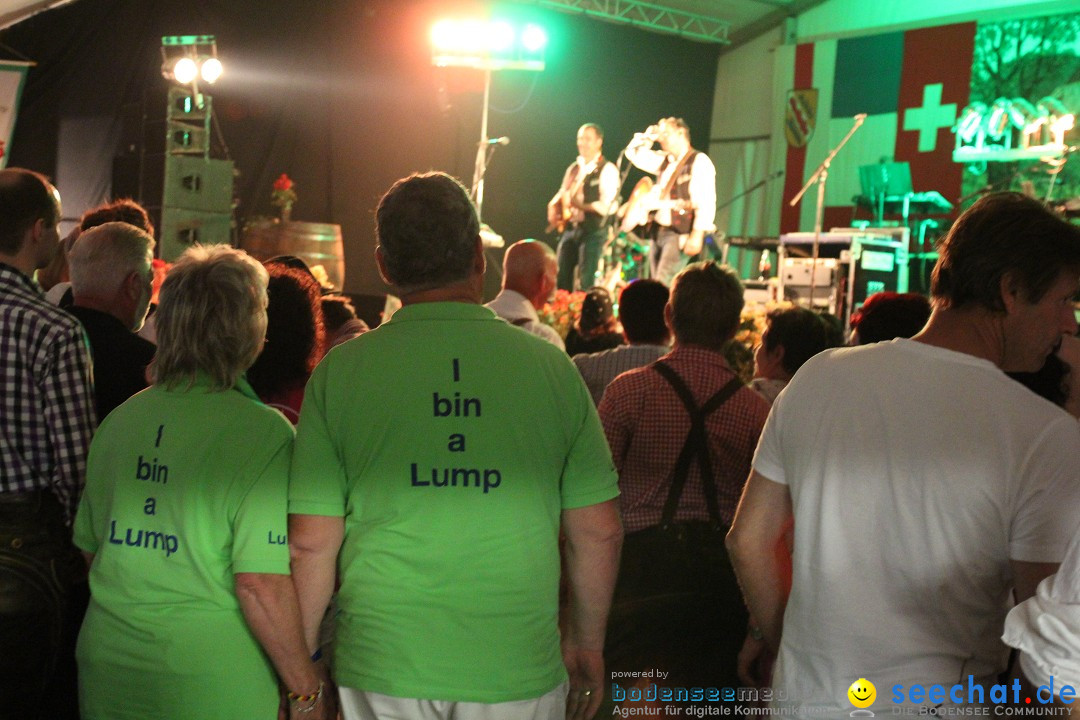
(184,489)
(450,441)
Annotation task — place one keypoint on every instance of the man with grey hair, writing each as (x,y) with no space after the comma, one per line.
(682,432)
(439,457)
(529,272)
(111,280)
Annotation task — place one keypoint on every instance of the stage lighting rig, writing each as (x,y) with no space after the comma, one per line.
(187,59)
(1012,129)
(487,45)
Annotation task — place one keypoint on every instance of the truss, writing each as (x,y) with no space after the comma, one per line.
(648,16)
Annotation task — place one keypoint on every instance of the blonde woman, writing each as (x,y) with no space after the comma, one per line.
(183,522)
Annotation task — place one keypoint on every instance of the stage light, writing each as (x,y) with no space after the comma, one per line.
(211,70)
(533,38)
(1058,117)
(186,58)
(443,35)
(185,70)
(487,45)
(967,127)
(472,34)
(1023,116)
(500,36)
(997,120)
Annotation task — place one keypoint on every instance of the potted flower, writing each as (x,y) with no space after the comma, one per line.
(283,196)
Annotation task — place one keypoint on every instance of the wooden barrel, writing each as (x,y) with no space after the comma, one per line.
(317,244)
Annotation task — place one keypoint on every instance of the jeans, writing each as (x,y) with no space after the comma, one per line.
(581,247)
(42,584)
(665,257)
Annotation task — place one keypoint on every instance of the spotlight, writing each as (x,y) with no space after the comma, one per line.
(1023,115)
(186,58)
(998,118)
(185,70)
(487,45)
(211,70)
(1058,117)
(443,34)
(967,127)
(533,38)
(500,36)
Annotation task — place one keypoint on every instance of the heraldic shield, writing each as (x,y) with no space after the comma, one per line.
(800,116)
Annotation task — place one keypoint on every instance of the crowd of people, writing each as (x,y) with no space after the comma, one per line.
(270,510)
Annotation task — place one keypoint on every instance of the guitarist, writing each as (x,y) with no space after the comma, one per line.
(580,207)
(685,195)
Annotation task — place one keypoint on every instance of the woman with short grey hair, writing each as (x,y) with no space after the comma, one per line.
(183,521)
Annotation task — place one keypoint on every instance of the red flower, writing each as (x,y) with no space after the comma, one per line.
(283,183)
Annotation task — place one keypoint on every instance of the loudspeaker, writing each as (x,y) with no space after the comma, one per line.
(180,228)
(194,183)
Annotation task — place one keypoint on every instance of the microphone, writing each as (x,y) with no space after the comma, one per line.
(860,117)
(496,141)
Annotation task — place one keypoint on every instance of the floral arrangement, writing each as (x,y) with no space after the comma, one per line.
(283,196)
(562,312)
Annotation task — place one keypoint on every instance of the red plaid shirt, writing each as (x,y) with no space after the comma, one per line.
(646,425)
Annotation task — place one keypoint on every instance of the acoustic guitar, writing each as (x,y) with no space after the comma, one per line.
(566,209)
(643,202)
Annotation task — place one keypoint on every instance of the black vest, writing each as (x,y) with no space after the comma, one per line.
(590,188)
(682,221)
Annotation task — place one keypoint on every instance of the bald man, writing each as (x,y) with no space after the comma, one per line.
(529,274)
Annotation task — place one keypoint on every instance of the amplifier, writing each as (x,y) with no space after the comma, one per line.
(852,265)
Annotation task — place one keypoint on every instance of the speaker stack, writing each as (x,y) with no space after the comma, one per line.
(165,163)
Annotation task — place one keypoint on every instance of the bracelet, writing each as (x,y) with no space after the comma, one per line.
(313,698)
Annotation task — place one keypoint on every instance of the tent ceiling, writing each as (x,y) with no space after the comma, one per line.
(721,21)
(12,11)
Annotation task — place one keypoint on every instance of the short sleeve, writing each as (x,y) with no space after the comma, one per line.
(1044,518)
(260,543)
(589,476)
(84,535)
(1046,627)
(317,483)
(768,458)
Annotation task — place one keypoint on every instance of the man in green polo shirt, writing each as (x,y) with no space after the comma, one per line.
(437,459)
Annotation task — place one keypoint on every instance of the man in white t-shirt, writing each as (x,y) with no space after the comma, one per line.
(925,486)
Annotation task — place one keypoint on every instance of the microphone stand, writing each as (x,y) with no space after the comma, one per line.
(484,150)
(820,176)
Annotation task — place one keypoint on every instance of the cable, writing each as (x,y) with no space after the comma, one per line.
(519,108)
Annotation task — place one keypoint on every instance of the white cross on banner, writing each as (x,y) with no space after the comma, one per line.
(12,79)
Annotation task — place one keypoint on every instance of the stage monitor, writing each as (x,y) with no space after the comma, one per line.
(888,179)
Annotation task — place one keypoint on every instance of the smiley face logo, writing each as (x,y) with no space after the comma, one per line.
(862,693)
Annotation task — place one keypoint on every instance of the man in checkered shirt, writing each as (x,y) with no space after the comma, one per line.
(45,429)
(677,607)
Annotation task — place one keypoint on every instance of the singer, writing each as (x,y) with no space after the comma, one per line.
(683,200)
(579,210)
